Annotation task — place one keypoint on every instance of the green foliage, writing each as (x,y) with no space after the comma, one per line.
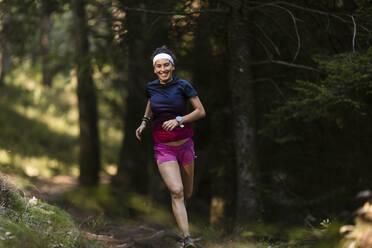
(364,16)
(344,92)
(30,221)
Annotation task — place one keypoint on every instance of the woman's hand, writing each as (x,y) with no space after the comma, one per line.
(140,130)
(170,125)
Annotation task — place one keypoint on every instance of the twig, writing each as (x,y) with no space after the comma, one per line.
(269,55)
(158,235)
(281,29)
(98,237)
(268,38)
(274,84)
(286,64)
(299,7)
(354,33)
(294,24)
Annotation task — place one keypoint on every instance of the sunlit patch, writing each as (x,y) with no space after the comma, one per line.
(217,210)
(111,169)
(74,171)
(4,157)
(40,166)
(31,171)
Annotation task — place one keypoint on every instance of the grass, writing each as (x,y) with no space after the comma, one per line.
(25,220)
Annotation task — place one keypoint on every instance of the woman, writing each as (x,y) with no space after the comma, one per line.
(174,149)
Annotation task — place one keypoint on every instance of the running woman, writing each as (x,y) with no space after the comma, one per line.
(171,129)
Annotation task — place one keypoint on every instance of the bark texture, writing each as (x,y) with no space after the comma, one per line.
(89,159)
(243,108)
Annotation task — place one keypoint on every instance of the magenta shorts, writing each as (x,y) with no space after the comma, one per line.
(184,154)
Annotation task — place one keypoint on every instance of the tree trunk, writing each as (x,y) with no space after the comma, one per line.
(133,156)
(243,108)
(5,58)
(1,62)
(89,159)
(45,37)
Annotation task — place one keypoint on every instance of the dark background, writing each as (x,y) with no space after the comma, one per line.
(286,86)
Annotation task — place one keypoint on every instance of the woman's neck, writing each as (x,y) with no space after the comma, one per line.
(165,82)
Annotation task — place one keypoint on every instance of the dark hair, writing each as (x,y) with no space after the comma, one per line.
(163,49)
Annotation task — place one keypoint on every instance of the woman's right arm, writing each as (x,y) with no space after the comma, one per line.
(143,125)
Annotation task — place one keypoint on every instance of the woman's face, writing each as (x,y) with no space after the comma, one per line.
(163,68)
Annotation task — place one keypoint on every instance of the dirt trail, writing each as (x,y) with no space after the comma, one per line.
(113,233)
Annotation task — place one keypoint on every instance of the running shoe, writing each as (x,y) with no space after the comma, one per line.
(188,242)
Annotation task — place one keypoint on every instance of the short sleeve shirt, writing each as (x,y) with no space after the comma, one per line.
(168,101)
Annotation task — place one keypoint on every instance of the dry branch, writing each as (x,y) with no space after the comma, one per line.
(280,62)
(298,7)
(274,84)
(354,33)
(98,237)
(268,38)
(294,25)
(162,12)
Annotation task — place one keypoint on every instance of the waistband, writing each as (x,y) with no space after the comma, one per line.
(162,145)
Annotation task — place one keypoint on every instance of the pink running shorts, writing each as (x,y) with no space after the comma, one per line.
(184,154)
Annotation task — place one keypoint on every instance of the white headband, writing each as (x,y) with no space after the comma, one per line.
(162,56)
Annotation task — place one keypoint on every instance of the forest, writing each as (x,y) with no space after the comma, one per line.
(283,154)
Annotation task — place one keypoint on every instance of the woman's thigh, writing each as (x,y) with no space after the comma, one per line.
(187,173)
(170,172)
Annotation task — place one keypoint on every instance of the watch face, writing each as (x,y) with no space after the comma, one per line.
(179,118)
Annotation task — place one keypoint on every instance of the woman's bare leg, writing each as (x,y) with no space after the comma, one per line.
(187,172)
(170,172)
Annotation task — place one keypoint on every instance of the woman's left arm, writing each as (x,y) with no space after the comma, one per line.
(196,114)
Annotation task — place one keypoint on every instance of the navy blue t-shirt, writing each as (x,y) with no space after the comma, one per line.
(168,100)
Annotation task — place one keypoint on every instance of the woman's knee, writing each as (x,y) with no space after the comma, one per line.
(177,192)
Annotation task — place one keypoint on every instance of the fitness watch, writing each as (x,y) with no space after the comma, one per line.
(179,120)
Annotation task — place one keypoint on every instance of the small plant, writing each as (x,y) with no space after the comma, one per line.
(325,223)
(95,224)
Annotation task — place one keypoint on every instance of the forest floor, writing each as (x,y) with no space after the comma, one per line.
(108,230)
(116,232)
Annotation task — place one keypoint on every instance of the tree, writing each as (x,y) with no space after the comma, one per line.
(47,8)
(142,37)
(89,158)
(4,47)
(244,113)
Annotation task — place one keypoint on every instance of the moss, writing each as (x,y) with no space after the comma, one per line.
(18,234)
(30,221)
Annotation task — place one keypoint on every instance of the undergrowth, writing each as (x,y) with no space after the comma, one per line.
(30,222)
